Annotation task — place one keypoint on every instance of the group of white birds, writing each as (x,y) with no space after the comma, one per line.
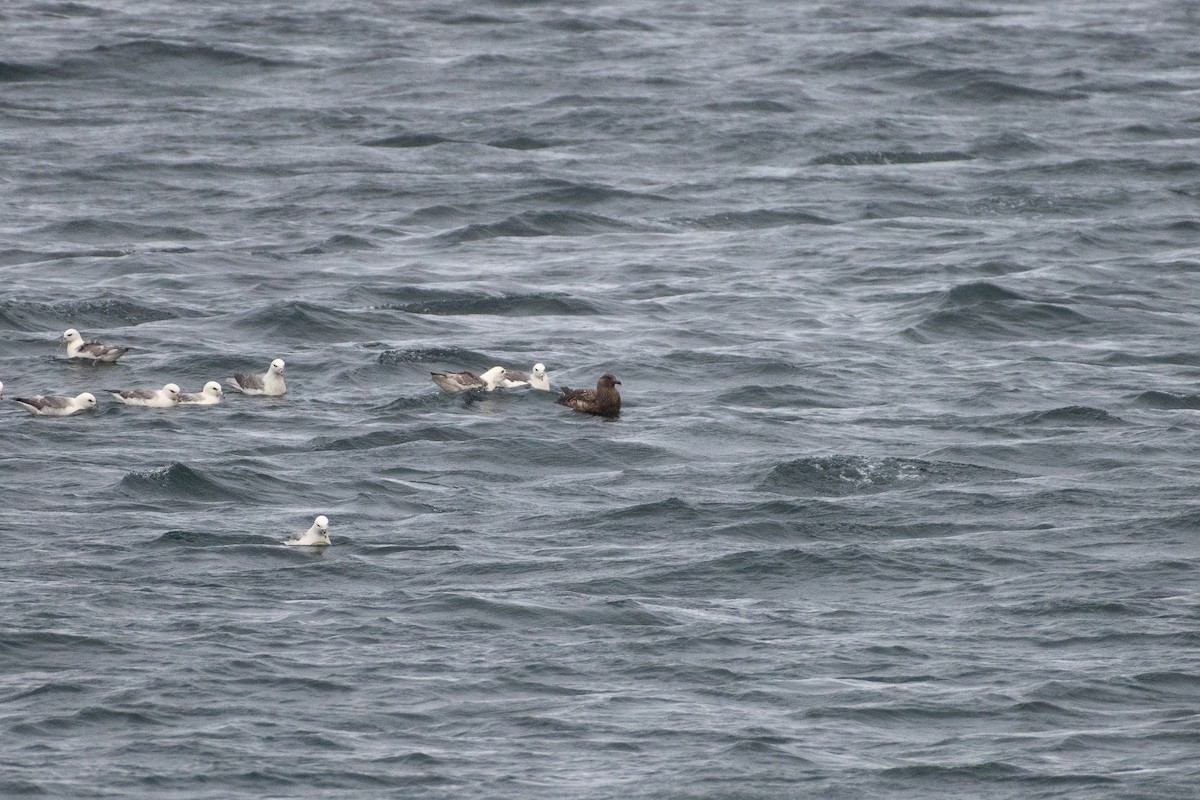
(78,349)
(270,383)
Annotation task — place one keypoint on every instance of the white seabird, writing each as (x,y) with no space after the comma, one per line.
(1,389)
(269,383)
(57,406)
(165,397)
(535,378)
(462,381)
(210,395)
(316,536)
(91,350)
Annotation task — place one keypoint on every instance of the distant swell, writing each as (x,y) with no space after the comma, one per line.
(878,157)
(297,321)
(993,91)
(16,73)
(541,223)
(1069,415)
(432,355)
(513,305)
(153,56)
(1168,400)
(840,475)
(103,312)
(983,310)
(409,140)
(389,438)
(181,482)
(752,220)
(93,230)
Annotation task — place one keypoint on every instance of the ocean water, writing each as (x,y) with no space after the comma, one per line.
(902,502)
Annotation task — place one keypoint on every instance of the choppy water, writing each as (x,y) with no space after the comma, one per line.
(903,499)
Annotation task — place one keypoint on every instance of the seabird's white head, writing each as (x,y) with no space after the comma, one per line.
(87,399)
(172,389)
(212,389)
(316,535)
(70,335)
(539,370)
(276,367)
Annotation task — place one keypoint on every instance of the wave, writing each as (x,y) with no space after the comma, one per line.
(198,539)
(11,72)
(433,355)
(27,646)
(390,438)
(299,321)
(341,243)
(541,223)
(1168,400)
(976,85)
(178,481)
(856,158)
(755,219)
(761,106)
(159,60)
(983,310)
(867,61)
(1069,415)
(581,194)
(948,12)
(1009,144)
(410,140)
(101,312)
(447,303)
(776,566)
(785,396)
(98,230)
(841,475)
(16,255)
(522,143)
(470,611)
(984,770)
(594,23)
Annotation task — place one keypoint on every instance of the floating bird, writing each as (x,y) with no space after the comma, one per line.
(535,378)
(1,389)
(210,395)
(92,351)
(603,401)
(269,383)
(56,406)
(165,397)
(316,536)
(462,381)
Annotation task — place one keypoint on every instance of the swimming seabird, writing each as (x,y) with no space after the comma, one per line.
(535,378)
(165,397)
(57,406)
(210,395)
(93,350)
(462,381)
(604,400)
(269,383)
(316,536)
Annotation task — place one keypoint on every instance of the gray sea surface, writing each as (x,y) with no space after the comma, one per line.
(902,501)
